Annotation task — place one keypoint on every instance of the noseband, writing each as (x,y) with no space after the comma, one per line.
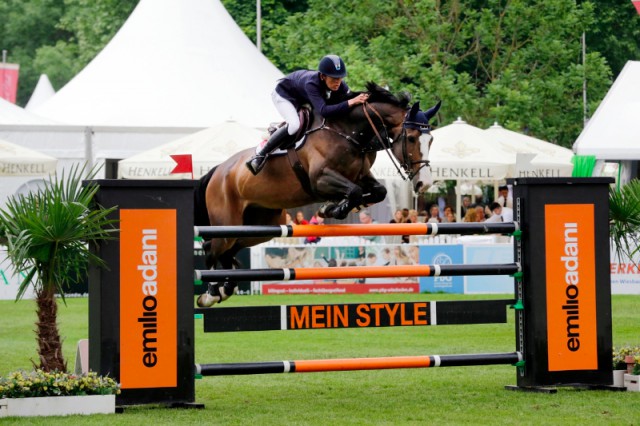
(407,163)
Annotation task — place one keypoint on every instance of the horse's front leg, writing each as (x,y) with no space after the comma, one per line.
(331,185)
(372,191)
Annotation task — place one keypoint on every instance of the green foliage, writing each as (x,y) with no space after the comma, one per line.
(624,215)
(48,232)
(22,384)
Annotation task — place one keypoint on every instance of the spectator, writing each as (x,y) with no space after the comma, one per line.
(504,199)
(287,219)
(449,216)
(471,216)
(315,220)
(480,213)
(366,219)
(300,220)
(466,202)
(496,213)
(434,214)
(397,217)
(413,216)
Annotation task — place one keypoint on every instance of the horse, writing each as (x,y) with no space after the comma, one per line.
(333,166)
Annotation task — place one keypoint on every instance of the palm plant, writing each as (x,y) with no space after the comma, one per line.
(624,215)
(48,233)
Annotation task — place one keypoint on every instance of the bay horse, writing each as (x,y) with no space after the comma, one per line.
(336,160)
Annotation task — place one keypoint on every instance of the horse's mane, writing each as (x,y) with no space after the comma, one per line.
(378,94)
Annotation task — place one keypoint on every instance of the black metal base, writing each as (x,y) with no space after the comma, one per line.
(536,389)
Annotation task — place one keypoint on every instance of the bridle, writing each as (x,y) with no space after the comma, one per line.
(407,162)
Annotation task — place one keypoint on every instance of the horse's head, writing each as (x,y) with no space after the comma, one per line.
(403,126)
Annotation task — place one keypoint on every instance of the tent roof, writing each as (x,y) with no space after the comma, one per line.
(174,64)
(13,114)
(43,91)
(208,148)
(612,132)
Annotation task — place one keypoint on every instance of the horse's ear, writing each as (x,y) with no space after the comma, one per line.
(414,110)
(433,110)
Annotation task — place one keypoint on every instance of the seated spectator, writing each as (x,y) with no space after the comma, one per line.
(434,214)
(496,213)
(480,213)
(449,216)
(397,217)
(300,220)
(471,216)
(315,220)
(366,219)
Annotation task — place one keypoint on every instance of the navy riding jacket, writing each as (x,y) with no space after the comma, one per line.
(305,86)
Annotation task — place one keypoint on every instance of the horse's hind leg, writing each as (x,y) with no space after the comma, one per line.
(218,292)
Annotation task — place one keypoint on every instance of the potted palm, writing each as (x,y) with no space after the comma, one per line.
(48,233)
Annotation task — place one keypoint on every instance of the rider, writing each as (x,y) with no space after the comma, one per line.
(318,88)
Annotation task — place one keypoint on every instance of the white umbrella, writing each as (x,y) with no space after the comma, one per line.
(533,157)
(208,148)
(463,152)
(16,160)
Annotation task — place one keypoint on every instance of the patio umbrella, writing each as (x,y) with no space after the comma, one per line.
(16,160)
(533,157)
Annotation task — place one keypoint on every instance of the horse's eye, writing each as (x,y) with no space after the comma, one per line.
(412,139)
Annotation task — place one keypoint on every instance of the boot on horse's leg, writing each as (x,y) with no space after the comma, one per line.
(257,162)
(216,293)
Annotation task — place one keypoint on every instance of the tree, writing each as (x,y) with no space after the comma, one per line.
(48,234)
(513,61)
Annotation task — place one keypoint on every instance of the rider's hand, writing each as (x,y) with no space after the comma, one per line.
(360,99)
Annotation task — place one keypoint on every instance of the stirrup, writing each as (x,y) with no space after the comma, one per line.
(256,164)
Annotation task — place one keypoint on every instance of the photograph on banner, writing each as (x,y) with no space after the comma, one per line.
(309,256)
(441,255)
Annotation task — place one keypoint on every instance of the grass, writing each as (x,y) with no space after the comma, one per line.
(445,396)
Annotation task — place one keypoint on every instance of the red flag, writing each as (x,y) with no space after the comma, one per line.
(636,3)
(9,81)
(184,164)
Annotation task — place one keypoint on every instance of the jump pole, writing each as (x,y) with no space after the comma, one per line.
(355,230)
(290,274)
(357,364)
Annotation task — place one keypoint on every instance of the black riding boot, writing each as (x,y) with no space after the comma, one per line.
(275,141)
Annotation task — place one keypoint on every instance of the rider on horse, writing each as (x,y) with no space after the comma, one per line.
(320,89)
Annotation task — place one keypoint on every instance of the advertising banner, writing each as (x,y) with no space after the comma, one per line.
(441,255)
(483,254)
(314,256)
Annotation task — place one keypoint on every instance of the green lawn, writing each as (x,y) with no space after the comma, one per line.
(463,395)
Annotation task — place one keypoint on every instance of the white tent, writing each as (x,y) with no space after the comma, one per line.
(540,159)
(16,160)
(208,148)
(174,63)
(13,114)
(43,91)
(612,132)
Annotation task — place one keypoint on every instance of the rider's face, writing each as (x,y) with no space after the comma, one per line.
(332,83)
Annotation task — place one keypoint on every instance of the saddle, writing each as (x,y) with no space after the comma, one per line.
(305,114)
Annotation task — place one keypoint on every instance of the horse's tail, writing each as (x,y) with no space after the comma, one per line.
(200,213)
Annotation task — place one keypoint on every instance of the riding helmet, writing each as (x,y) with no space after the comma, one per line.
(333,66)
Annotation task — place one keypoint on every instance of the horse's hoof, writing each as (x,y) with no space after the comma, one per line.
(205,300)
